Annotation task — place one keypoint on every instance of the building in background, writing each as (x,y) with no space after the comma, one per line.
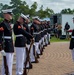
(61,19)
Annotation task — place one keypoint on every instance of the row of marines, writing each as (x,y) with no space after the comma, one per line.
(28,42)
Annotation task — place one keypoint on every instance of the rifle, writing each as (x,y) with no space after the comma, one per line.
(27,58)
(4,58)
(5,65)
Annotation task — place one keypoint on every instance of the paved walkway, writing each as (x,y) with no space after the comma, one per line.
(56,60)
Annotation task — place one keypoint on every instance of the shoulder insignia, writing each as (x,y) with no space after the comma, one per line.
(19,27)
(1,28)
(24,28)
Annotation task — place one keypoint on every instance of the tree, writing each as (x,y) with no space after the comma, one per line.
(49,12)
(15,3)
(45,13)
(67,11)
(41,12)
(32,10)
(5,6)
(73,11)
(19,7)
(1,5)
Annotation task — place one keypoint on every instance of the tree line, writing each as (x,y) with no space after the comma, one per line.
(21,6)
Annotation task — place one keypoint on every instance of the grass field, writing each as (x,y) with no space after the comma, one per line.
(54,39)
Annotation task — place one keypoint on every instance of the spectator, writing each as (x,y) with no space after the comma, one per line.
(59,31)
(56,30)
(67,27)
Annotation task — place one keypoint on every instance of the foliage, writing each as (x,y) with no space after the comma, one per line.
(67,11)
(45,13)
(1,5)
(54,39)
(20,6)
(32,10)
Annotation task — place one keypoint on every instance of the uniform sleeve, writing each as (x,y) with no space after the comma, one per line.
(1,33)
(18,30)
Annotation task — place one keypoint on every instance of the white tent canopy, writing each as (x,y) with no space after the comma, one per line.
(47,19)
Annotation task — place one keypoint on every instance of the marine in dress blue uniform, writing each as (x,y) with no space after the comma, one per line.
(35,32)
(26,28)
(20,43)
(33,57)
(6,35)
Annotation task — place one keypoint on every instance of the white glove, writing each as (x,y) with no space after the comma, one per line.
(3,53)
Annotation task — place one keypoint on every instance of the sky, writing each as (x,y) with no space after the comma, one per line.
(55,5)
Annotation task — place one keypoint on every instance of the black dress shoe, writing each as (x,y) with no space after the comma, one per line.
(49,43)
(36,61)
(42,49)
(46,45)
(30,66)
(41,53)
(37,55)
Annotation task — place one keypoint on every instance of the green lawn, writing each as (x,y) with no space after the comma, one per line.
(54,39)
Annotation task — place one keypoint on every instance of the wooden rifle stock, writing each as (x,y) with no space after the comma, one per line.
(25,63)
(4,59)
(5,65)
(27,59)
(33,50)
